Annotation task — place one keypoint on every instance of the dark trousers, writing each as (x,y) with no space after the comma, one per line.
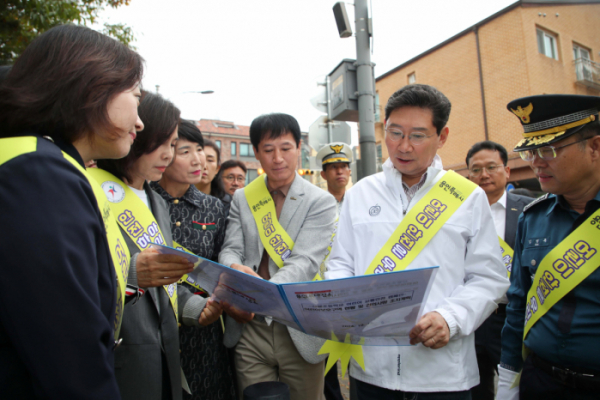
(536,384)
(332,384)
(366,391)
(487,347)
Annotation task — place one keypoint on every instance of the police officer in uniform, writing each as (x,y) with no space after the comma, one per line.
(335,159)
(560,321)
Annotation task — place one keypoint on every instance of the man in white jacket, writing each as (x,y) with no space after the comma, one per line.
(471,276)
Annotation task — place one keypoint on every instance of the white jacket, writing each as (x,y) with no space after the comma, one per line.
(469,282)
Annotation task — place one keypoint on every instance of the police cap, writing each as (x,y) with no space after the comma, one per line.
(546,119)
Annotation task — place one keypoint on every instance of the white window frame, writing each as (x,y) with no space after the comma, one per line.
(412,78)
(583,69)
(547,43)
(577,52)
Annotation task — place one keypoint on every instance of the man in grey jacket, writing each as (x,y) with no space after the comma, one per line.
(266,350)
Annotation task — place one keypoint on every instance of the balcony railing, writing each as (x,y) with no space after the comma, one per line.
(588,73)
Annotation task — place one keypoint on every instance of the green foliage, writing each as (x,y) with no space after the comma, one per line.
(22,20)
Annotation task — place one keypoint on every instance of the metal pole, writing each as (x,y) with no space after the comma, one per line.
(364,74)
(328,99)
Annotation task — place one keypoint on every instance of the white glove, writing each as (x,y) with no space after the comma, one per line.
(506,379)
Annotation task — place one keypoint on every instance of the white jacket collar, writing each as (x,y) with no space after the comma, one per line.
(393,177)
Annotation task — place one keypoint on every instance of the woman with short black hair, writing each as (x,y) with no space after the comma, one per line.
(198,224)
(148,362)
(72,96)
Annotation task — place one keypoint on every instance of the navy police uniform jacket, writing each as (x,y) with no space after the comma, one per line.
(568,333)
(57,282)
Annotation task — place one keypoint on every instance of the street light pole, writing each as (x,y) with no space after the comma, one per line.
(366,95)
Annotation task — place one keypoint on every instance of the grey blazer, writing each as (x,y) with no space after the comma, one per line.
(514,208)
(139,359)
(307,216)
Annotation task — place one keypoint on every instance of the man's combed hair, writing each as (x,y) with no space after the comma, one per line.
(488,145)
(422,96)
(271,126)
(63,82)
(160,118)
(232,164)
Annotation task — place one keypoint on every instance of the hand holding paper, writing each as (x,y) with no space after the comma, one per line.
(212,311)
(155,269)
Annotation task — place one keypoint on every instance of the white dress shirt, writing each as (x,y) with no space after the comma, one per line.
(499,215)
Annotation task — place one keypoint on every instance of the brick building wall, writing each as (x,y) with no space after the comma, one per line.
(511,66)
(229,136)
(225,133)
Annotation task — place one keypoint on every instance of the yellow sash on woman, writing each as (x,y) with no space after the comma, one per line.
(507,255)
(274,238)
(411,236)
(134,218)
(13,147)
(562,269)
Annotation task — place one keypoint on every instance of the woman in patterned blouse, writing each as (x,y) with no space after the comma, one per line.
(198,224)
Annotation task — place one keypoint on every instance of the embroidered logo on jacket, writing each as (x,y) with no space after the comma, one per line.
(375,210)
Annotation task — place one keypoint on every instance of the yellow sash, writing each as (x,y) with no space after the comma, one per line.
(274,238)
(421,223)
(562,269)
(13,147)
(507,255)
(411,236)
(323,267)
(134,218)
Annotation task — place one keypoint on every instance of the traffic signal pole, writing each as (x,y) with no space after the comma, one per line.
(366,94)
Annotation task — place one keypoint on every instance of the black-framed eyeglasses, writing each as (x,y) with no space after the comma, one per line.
(546,152)
(231,178)
(490,169)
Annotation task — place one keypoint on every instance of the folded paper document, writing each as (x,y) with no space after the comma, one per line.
(372,310)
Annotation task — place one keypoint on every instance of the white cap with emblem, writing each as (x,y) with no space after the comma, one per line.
(334,153)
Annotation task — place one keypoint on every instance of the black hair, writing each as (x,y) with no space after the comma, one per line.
(216,186)
(422,96)
(590,130)
(487,145)
(160,118)
(63,82)
(232,164)
(190,132)
(272,126)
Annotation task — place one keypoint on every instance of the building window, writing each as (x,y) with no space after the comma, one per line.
(251,175)
(547,44)
(377,108)
(218,143)
(412,78)
(583,64)
(233,148)
(580,52)
(246,150)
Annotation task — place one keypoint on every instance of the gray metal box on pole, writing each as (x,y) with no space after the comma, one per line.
(342,92)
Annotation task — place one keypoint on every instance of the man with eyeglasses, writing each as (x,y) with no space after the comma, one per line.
(552,327)
(386,218)
(487,162)
(233,175)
